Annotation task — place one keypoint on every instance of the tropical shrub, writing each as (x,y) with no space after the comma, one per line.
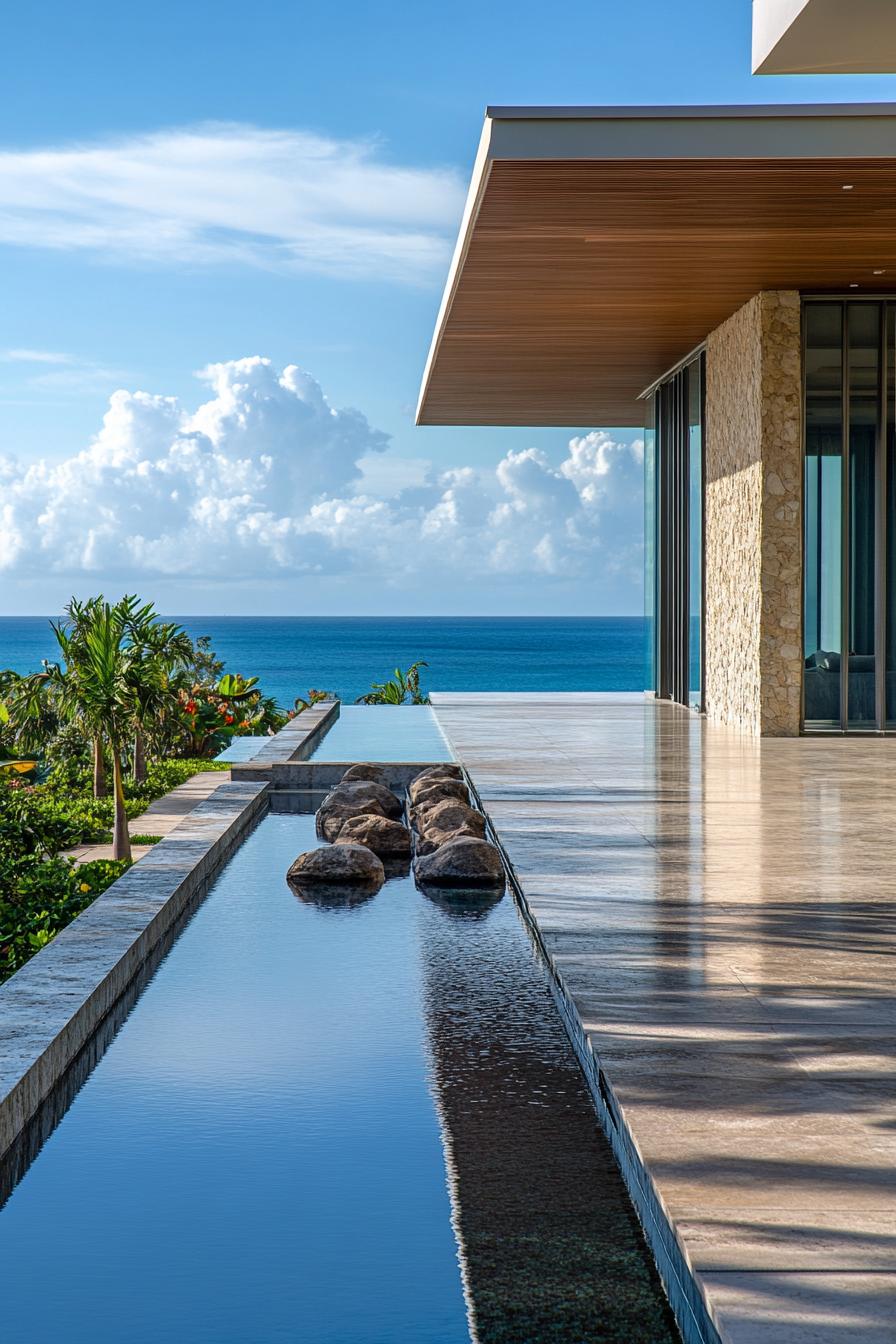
(403,688)
(234,707)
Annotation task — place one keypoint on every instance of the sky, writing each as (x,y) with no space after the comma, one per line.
(224,234)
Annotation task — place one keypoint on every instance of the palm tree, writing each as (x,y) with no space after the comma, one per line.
(157,651)
(30,707)
(80,616)
(96,688)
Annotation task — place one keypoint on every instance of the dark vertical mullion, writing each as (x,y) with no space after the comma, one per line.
(818,546)
(679,531)
(880,530)
(683,421)
(702,705)
(805,558)
(660,541)
(845,521)
(665,549)
(683,605)
(676,550)
(661,544)
(659,533)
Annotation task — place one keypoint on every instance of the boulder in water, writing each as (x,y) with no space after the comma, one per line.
(435,838)
(448,815)
(466,862)
(430,776)
(374,774)
(340,865)
(364,790)
(332,816)
(387,838)
(437,790)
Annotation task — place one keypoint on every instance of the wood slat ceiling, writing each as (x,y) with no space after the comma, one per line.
(586,280)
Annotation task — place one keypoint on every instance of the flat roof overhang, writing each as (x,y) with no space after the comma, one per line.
(598,247)
(800,37)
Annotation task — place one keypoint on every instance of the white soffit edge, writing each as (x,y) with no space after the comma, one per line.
(824,36)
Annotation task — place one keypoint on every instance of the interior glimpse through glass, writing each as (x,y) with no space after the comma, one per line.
(823,512)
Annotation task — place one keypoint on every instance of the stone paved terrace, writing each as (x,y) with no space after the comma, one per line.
(721,912)
(161,816)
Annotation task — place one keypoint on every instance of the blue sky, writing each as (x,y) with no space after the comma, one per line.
(185,186)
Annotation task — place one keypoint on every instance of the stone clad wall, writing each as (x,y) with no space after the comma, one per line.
(753,484)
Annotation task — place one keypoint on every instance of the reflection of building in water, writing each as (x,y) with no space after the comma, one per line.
(550,1247)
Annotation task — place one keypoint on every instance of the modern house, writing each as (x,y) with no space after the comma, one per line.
(725,277)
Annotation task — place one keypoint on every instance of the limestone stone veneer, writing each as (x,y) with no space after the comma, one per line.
(753,492)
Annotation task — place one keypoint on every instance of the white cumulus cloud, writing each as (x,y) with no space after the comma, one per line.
(265,477)
(286,199)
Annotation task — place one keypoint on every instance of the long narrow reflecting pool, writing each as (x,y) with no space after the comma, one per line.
(383,733)
(340,1124)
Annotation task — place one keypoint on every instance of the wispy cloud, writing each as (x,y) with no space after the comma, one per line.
(36,357)
(233,193)
(57,371)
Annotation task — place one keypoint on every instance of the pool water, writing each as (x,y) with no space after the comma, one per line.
(384,733)
(334,1124)
(242,748)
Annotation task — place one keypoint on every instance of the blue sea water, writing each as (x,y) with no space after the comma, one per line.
(344,654)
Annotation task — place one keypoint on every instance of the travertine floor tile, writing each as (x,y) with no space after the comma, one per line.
(722,913)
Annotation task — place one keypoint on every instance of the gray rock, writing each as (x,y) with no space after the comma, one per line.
(431,776)
(467,862)
(338,864)
(434,839)
(363,790)
(331,817)
(374,774)
(437,790)
(389,839)
(449,815)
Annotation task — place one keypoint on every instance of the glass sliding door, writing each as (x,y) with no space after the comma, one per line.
(849,527)
(674,534)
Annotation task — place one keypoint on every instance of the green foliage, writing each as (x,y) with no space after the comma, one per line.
(236,688)
(204,668)
(314,698)
(212,716)
(403,688)
(39,896)
(40,890)
(69,747)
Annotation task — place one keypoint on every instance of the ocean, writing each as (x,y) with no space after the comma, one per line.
(344,654)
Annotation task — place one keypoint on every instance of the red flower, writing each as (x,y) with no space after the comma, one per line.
(191,706)
(228,718)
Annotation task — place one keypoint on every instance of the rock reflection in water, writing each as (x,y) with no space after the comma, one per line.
(550,1246)
(333,895)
